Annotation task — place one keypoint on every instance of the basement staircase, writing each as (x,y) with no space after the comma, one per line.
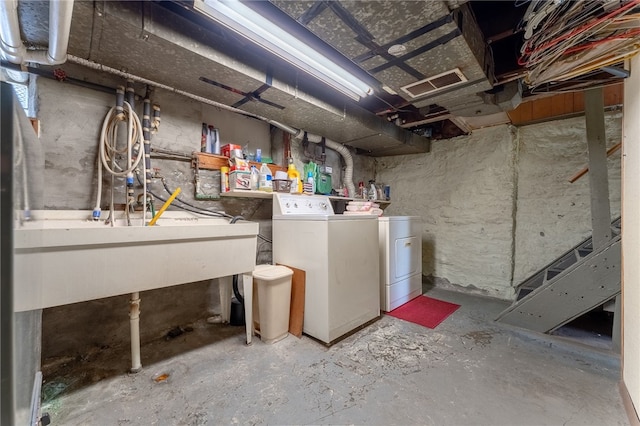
(572,285)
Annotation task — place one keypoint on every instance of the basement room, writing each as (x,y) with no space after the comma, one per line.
(285,212)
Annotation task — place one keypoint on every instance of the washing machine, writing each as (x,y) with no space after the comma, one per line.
(340,256)
(400,239)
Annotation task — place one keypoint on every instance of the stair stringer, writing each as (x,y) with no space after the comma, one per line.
(583,286)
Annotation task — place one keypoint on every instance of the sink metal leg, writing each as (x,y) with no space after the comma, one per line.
(225,285)
(247,287)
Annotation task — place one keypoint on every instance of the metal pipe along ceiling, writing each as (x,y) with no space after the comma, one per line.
(11,46)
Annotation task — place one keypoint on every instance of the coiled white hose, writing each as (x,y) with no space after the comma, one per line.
(108,148)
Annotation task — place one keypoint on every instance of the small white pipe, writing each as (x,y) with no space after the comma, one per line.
(144,200)
(114,71)
(134,323)
(342,150)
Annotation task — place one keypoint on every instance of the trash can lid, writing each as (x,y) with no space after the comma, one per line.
(271,272)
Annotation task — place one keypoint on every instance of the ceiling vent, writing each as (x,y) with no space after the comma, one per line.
(435,83)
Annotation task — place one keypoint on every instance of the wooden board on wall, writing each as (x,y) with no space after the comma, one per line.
(208,161)
(296,313)
(561,105)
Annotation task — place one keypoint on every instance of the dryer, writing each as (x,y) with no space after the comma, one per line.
(400,240)
(340,256)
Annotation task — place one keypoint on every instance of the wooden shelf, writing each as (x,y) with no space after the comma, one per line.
(247,194)
(208,161)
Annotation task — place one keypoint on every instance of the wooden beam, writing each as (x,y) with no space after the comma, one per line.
(586,168)
(598,176)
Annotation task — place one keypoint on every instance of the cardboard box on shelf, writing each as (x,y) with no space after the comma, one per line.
(228,148)
(239,180)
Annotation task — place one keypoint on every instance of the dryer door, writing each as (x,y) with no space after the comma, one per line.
(406,257)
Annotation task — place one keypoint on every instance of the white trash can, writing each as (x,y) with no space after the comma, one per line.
(271,302)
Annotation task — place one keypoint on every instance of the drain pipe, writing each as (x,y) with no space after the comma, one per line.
(342,150)
(134,324)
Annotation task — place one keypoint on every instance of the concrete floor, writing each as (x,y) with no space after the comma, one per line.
(469,370)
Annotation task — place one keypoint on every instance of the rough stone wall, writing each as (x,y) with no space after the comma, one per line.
(553,215)
(497,205)
(463,190)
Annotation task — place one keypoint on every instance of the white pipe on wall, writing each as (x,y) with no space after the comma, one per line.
(134,323)
(342,150)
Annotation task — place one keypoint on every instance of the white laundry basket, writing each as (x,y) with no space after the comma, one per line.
(272,302)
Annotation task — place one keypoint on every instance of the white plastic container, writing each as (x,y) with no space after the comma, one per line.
(271,302)
(255,178)
(266,179)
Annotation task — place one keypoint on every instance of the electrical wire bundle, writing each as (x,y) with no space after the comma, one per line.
(567,39)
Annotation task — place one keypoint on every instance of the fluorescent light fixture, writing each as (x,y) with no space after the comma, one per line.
(245,21)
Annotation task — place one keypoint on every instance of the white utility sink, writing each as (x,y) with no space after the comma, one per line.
(64,257)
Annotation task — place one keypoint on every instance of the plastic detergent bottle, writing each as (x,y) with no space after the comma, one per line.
(310,184)
(373,191)
(266,179)
(294,176)
(214,142)
(255,178)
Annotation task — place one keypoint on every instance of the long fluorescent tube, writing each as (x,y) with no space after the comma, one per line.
(236,16)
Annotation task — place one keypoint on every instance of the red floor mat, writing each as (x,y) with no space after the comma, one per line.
(425,311)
